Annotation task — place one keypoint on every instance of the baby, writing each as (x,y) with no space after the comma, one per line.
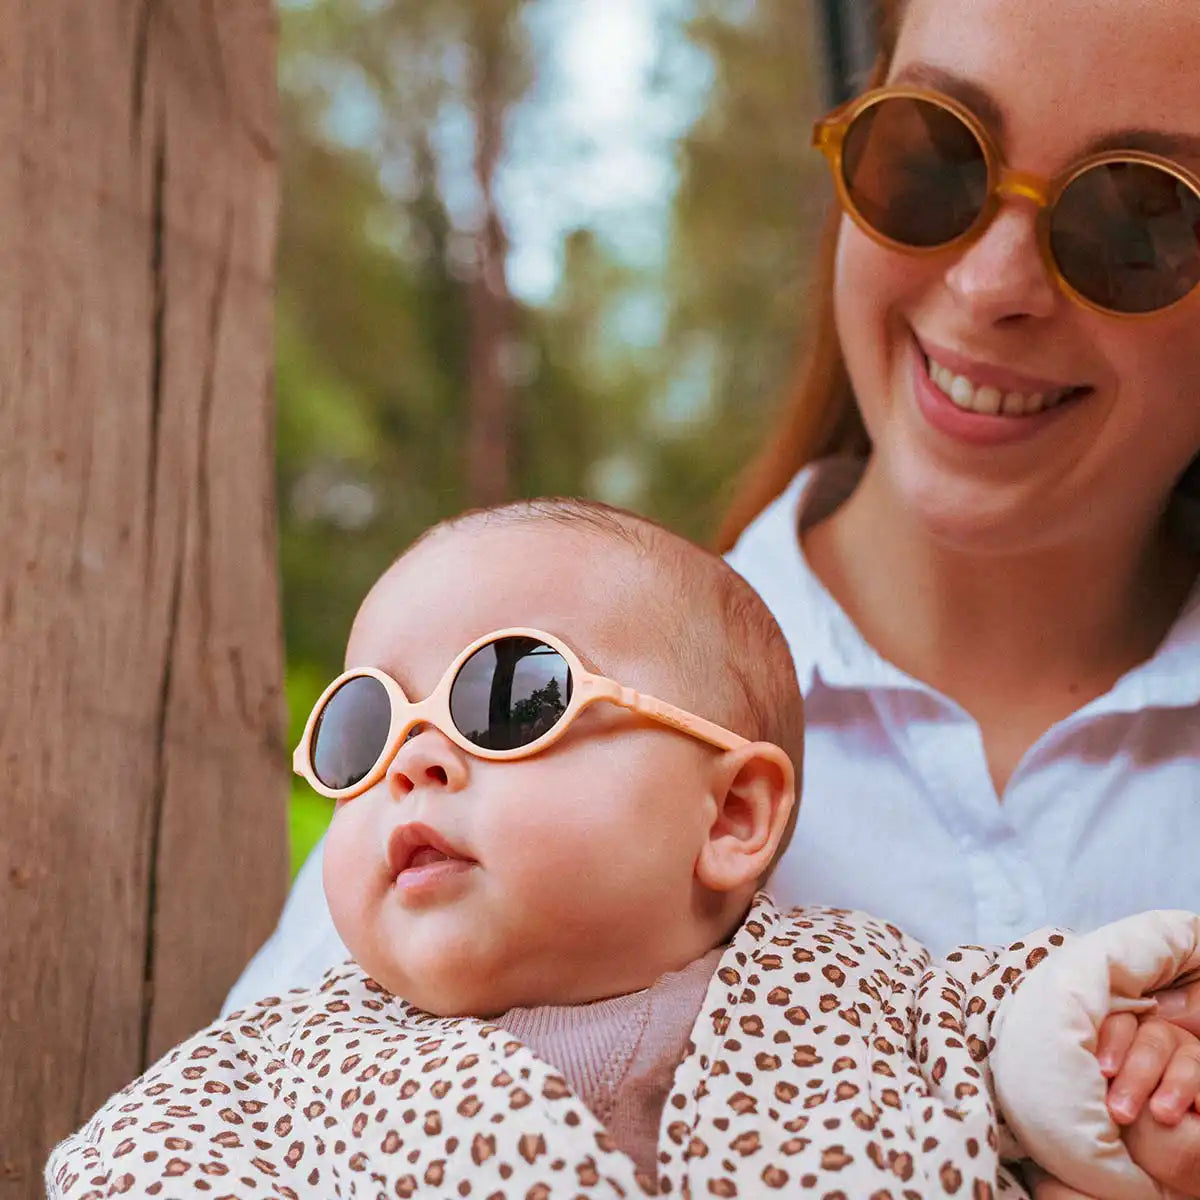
(563,755)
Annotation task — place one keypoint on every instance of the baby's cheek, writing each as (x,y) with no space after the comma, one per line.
(567,884)
(525,833)
(346,872)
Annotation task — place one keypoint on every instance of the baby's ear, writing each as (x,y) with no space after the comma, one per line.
(754,789)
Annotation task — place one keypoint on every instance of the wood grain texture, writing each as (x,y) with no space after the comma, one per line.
(142,823)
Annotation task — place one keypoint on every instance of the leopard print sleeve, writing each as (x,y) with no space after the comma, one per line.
(957,1002)
(207,1116)
(339,1092)
(830,1061)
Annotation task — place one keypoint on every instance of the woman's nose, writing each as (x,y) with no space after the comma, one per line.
(427,759)
(1002,275)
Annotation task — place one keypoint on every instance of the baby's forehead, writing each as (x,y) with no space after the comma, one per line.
(459,584)
(536,555)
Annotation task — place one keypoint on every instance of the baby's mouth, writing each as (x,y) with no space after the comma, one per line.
(416,847)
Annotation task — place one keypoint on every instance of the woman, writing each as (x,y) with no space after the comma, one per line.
(993,613)
(992,603)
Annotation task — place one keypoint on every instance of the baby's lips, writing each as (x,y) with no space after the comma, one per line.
(406,840)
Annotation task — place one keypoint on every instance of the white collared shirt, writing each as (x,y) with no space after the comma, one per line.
(1101,817)
(899,816)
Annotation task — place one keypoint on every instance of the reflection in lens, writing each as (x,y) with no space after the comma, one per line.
(1126,236)
(351,732)
(510,692)
(915,172)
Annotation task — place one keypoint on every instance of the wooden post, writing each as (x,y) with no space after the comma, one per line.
(142,828)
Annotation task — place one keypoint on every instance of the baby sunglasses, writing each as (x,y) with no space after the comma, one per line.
(918,172)
(508,695)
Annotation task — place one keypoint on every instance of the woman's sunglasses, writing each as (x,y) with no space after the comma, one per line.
(508,695)
(918,172)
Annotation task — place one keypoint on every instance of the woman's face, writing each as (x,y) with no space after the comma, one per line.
(1059,77)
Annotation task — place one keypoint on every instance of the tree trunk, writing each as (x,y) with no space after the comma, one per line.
(142,829)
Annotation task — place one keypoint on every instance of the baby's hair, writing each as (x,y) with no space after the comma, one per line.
(724,649)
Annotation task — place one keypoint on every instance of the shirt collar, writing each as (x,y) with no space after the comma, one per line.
(823,639)
(1170,678)
(825,642)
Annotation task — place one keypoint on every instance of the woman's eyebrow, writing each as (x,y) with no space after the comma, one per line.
(979,101)
(1152,141)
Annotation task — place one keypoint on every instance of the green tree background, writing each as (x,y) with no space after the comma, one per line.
(412,382)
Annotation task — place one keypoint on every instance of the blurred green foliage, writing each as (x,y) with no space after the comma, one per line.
(374,318)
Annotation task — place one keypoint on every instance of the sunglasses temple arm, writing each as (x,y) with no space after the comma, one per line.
(666,714)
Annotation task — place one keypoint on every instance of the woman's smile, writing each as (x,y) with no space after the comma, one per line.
(984,406)
(979,387)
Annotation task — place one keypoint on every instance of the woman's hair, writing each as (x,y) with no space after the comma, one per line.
(821,417)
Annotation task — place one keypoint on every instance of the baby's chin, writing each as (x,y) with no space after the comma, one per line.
(477,992)
(448,997)
(453,987)
(444,986)
(453,969)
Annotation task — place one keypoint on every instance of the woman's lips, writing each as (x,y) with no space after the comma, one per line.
(1002,379)
(966,425)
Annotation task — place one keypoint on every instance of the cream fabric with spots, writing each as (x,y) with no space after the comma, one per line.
(829,1056)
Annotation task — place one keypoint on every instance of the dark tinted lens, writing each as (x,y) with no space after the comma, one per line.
(914,171)
(510,692)
(1126,236)
(351,732)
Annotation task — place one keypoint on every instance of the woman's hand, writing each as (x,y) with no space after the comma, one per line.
(1046,1187)
(1152,1064)
(1158,1066)
(1170,1155)
(1164,1147)
(1181,1006)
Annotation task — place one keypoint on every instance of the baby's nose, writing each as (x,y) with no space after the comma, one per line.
(427,758)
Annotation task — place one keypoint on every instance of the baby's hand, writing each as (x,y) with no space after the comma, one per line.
(1148,1058)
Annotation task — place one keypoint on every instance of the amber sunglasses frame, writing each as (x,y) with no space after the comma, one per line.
(829,136)
(587,688)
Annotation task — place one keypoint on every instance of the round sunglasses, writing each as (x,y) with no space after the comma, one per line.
(917,171)
(508,695)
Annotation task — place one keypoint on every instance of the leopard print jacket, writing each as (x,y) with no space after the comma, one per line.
(830,1056)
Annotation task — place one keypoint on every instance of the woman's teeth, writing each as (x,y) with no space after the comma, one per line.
(989,400)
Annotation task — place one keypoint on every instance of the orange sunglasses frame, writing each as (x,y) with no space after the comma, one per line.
(587,688)
(829,135)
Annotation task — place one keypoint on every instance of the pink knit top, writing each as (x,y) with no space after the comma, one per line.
(619,1055)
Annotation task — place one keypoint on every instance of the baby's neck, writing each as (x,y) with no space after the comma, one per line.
(603,1052)
(707,929)
(582,967)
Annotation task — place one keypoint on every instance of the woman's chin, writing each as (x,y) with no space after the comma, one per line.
(959,510)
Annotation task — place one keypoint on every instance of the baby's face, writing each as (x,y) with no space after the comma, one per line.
(575,867)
